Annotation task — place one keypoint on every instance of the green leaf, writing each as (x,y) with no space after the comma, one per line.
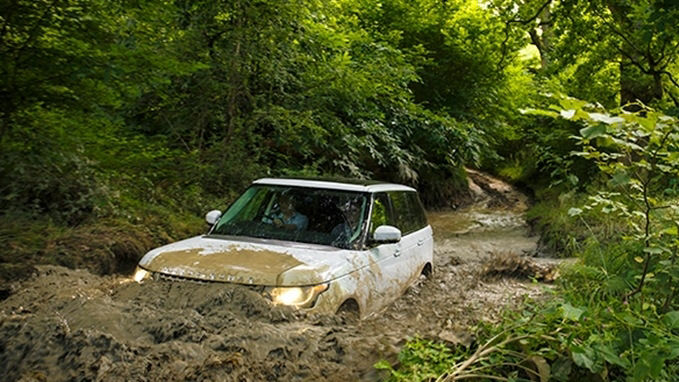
(630,319)
(542,366)
(567,114)
(583,357)
(593,131)
(671,319)
(570,312)
(574,211)
(573,179)
(605,118)
(671,230)
(653,250)
(561,369)
(611,357)
(572,103)
(539,112)
(620,178)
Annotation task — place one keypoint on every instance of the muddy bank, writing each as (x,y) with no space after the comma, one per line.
(71,325)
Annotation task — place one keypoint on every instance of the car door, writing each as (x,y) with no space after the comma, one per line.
(422,232)
(391,261)
(383,257)
(413,231)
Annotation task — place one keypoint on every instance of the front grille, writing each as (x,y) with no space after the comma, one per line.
(165,277)
(173,278)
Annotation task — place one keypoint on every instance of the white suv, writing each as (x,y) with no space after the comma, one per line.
(314,244)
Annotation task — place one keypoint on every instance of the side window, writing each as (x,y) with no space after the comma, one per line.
(402,216)
(381,213)
(417,209)
(408,212)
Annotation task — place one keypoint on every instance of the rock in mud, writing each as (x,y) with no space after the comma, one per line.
(509,264)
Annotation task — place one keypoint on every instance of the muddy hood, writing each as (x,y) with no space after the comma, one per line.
(254,263)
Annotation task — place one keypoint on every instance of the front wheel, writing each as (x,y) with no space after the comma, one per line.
(349,311)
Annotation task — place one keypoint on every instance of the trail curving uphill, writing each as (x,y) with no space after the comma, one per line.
(72,325)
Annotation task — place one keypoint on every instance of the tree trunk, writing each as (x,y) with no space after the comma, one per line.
(635,84)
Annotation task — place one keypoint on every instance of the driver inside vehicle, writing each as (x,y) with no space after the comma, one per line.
(288,217)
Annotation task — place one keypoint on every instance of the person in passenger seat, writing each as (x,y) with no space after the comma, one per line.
(288,217)
(344,230)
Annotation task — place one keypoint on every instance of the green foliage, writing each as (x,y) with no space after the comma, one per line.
(637,153)
(565,228)
(611,51)
(615,317)
(420,360)
(561,340)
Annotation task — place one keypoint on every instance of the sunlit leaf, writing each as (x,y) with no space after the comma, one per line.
(593,131)
(672,230)
(574,211)
(653,250)
(570,312)
(572,103)
(605,118)
(567,114)
(540,112)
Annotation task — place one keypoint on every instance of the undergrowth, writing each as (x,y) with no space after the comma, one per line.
(105,245)
(615,313)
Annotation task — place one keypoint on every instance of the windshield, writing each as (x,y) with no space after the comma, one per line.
(306,215)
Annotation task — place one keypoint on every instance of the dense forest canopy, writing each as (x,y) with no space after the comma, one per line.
(100,95)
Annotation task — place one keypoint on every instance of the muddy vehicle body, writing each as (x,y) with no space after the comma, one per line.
(318,245)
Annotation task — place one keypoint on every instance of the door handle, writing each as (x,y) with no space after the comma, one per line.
(420,242)
(397,252)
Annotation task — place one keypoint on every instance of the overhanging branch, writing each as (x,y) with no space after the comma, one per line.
(508,23)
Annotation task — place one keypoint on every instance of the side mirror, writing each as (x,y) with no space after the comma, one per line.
(212,216)
(387,234)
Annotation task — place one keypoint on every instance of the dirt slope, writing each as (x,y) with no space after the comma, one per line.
(71,325)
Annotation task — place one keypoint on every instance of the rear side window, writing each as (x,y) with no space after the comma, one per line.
(381,212)
(417,210)
(408,213)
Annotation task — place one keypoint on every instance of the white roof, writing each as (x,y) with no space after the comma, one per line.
(332,185)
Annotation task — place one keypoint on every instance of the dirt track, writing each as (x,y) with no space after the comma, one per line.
(71,325)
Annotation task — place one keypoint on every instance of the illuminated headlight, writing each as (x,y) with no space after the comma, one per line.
(141,274)
(301,297)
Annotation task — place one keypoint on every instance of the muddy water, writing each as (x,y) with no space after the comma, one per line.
(71,325)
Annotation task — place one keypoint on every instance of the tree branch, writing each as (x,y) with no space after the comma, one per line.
(647,215)
(634,61)
(669,75)
(522,22)
(670,57)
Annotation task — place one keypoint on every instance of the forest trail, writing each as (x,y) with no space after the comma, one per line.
(72,325)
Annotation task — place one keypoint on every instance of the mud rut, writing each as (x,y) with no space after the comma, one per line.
(72,325)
